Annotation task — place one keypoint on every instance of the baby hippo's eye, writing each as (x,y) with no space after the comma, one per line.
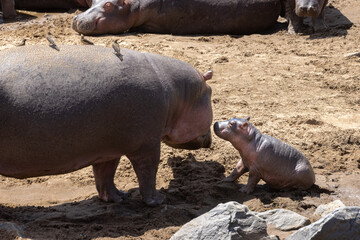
(231,124)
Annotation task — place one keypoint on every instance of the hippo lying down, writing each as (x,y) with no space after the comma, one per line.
(64,110)
(264,157)
(178,16)
(8,6)
(194,17)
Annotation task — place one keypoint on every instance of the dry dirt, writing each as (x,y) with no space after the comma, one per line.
(298,88)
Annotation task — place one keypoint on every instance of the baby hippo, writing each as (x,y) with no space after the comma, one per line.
(280,165)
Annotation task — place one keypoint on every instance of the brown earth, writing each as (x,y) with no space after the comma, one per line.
(298,88)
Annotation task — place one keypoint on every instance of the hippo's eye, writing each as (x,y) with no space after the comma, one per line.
(231,124)
(108,6)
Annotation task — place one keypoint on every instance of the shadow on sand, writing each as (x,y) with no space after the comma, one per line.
(195,189)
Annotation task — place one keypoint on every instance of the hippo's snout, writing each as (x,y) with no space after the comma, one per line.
(216,128)
(312,10)
(199,142)
(219,128)
(83,25)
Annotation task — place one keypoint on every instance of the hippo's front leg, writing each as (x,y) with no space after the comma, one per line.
(319,23)
(254,178)
(295,22)
(239,170)
(145,163)
(104,178)
(8,8)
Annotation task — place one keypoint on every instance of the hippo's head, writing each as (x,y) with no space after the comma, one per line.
(191,126)
(104,16)
(235,130)
(311,8)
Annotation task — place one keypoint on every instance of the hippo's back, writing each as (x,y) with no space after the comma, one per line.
(214,16)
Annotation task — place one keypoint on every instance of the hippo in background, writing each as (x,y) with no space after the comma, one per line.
(61,111)
(280,165)
(297,10)
(178,16)
(8,6)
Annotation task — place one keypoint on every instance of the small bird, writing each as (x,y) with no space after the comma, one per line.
(22,43)
(85,41)
(51,40)
(116,48)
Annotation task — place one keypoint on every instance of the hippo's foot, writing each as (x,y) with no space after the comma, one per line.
(319,24)
(246,189)
(155,200)
(114,195)
(231,178)
(104,178)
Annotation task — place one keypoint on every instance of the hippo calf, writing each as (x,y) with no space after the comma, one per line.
(8,6)
(178,16)
(64,110)
(280,165)
(296,10)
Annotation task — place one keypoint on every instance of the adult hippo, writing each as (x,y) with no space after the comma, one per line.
(178,17)
(8,6)
(296,10)
(64,110)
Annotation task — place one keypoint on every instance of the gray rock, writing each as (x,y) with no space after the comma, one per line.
(325,209)
(343,223)
(284,220)
(10,230)
(228,221)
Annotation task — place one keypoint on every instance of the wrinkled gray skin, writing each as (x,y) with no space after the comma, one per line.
(178,17)
(280,165)
(64,110)
(296,10)
(8,6)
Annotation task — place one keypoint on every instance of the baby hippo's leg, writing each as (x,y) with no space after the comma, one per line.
(254,178)
(239,170)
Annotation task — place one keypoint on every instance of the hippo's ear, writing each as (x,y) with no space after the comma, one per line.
(247,118)
(208,75)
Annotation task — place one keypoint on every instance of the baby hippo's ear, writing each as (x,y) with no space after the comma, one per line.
(247,118)
(208,75)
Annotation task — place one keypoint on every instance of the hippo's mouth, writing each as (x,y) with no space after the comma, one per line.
(199,142)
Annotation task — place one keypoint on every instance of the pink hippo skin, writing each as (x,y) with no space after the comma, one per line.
(280,165)
(8,6)
(296,10)
(178,16)
(61,111)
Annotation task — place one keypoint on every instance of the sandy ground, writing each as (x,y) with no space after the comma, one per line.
(298,88)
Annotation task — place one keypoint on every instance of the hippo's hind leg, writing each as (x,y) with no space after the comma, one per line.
(104,178)
(145,163)
(239,170)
